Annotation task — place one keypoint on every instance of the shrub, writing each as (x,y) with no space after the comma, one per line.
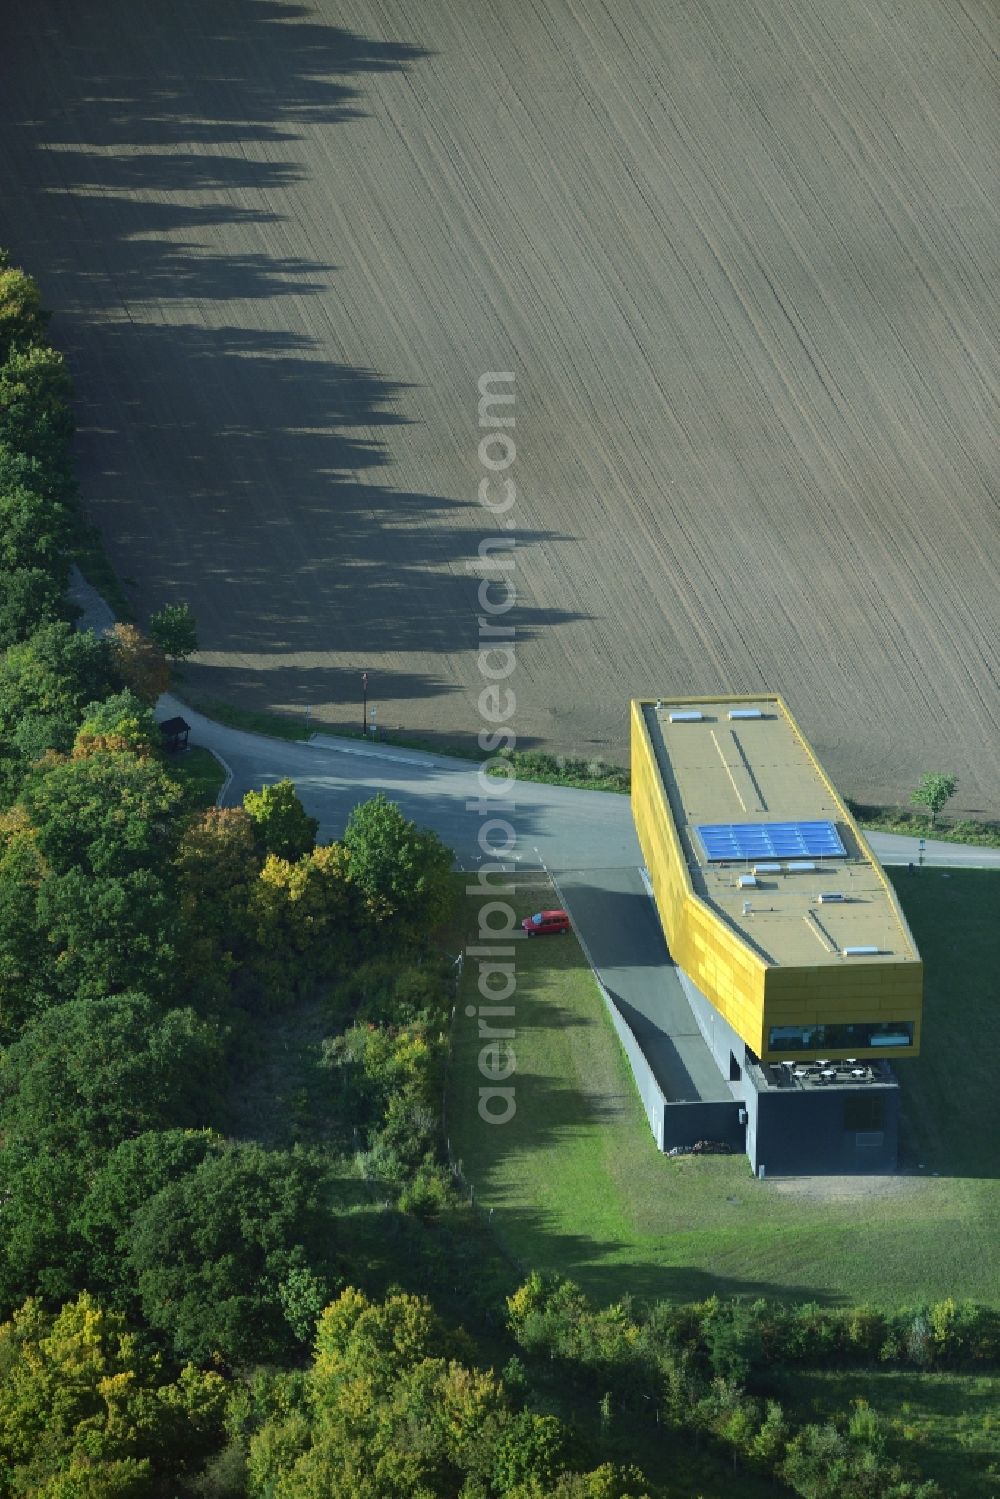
(429,1193)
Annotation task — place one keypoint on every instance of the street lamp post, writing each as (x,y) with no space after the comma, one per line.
(364,704)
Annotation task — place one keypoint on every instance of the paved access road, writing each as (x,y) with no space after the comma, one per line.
(555,826)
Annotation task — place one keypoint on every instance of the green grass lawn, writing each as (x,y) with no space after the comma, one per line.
(199,772)
(576,1183)
(949,1092)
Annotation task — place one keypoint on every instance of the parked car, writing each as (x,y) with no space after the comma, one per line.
(546,924)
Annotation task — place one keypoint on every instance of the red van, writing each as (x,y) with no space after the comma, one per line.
(546,923)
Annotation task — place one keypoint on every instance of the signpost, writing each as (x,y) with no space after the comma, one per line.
(364,702)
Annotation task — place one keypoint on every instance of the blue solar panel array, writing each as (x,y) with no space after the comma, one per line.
(770,840)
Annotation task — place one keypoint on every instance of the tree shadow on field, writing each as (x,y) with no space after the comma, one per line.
(156,151)
(264,454)
(129,126)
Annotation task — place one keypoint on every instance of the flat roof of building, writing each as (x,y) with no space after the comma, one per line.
(740,768)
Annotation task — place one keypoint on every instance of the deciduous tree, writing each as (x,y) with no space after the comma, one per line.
(29,598)
(212,1250)
(86,1075)
(108,813)
(121,723)
(404,871)
(35,531)
(216,868)
(85,1415)
(35,416)
(309,918)
(23,948)
(140,663)
(174,630)
(22,319)
(106,934)
(284,828)
(934,790)
(55,672)
(131,1175)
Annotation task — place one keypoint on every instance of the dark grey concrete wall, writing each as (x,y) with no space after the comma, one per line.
(801,1132)
(687,1123)
(653,1099)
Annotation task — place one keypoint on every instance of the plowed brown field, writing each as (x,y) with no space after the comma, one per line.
(741,254)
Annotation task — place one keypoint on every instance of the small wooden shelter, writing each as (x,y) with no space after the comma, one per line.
(175,733)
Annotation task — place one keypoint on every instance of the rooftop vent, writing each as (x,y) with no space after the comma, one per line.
(685,715)
(745,713)
(800,866)
(827,897)
(767,869)
(859,952)
(746,880)
(747,908)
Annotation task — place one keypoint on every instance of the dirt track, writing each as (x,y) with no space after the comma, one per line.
(741,256)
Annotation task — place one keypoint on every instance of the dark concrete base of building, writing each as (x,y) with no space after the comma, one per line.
(811,1125)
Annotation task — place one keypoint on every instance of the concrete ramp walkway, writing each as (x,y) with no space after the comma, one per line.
(620,932)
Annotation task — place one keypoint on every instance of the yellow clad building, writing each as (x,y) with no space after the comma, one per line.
(771,901)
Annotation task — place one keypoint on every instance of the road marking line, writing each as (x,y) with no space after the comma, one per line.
(223,789)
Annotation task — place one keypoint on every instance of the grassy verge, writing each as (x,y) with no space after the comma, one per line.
(284,726)
(576,1183)
(912,825)
(945,1424)
(274,725)
(405,741)
(560,770)
(200,773)
(92,560)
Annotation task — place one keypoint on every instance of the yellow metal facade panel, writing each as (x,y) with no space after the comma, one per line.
(713,957)
(749,993)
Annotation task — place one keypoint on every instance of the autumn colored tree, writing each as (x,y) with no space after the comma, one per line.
(392,1080)
(284,828)
(141,665)
(391,1405)
(216,867)
(309,918)
(84,1414)
(122,724)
